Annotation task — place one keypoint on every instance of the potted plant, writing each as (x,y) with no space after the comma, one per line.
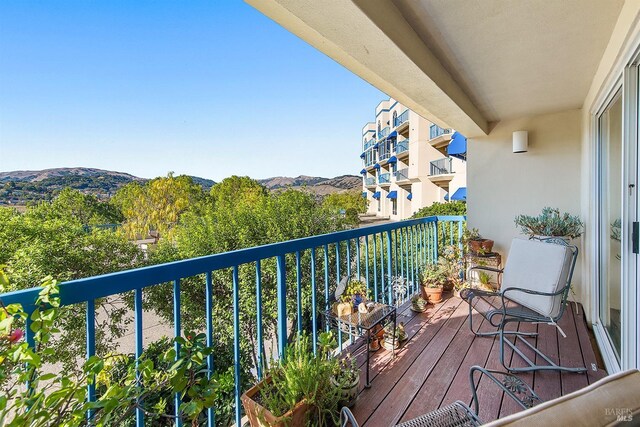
(346,378)
(355,292)
(418,304)
(451,266)
(432,282)
(550,223)
(476,243)
(400,336)
(297,389)
(485,281)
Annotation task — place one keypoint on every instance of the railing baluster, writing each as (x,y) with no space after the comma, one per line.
(326,283)
(299,291)
(337,245)
(401,257)
(358,257)
(208,294)
(382,278)
(259,338)
(91,351)
(366,262)
(375,270)
(236,340)
(177,331)
(389,261)
(137,305)
(314,325)
(435,242)
(460,232)
(348,257)
(282,304)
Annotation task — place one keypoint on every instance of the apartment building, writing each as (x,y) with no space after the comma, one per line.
(409,162)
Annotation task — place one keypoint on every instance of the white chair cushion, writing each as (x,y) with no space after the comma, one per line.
(540,267)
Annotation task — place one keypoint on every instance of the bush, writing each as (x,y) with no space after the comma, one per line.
(450,208)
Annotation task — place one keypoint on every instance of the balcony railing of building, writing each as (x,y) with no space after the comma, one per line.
(402,146)
(369,144)
(384,178)
(401,118)
(300,275)
(402,174)
(369,181)
(435,131)
(440,166)
(383,133)
(369,161)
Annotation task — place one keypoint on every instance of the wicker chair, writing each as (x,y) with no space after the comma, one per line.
(459,414)
(535,286)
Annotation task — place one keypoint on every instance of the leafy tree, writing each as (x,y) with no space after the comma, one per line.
(352,203)
(156,204)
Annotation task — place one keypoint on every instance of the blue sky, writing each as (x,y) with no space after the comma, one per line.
(207,88)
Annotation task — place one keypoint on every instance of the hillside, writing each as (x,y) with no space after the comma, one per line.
(23,187)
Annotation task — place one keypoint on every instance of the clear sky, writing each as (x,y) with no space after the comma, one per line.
(206,88)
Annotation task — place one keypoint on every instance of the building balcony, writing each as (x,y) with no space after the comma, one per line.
(430,370)
(401,123)
(384,179)
(441,173)
(439,138)
(402,175)
(370,182)
(384,156)
(402,148)
(383,133)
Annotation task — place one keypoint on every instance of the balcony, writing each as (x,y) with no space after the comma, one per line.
(401,123)
(384,179)
(402,175)
(383,133)
(439,138)
(430,369)
(440,172)
(369,144)
(402,148)
(370,182)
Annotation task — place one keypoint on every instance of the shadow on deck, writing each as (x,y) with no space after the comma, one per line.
(431,369)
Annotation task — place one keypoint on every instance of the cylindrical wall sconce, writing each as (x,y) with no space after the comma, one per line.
(520,141)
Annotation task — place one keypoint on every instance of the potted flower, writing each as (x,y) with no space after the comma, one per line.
(432,282)
(346,378)
(400,336)
(550,223)
(355,292)
(297,388)
(476,243)
(418,304)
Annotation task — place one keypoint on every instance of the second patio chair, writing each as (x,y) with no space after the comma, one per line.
(535,285)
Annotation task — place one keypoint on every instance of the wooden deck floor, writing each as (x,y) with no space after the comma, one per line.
(431,369)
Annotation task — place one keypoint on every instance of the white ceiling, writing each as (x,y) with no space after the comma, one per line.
(515,58)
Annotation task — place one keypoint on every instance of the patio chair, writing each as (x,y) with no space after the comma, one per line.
(611,401)
(535,286)
(459,413)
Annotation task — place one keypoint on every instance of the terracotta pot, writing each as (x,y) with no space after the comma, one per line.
(480,246)
(434,295)
(259,416)
(348,392)
(419,306)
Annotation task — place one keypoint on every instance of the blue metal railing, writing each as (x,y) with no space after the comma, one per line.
(360,252)
(369,181)
(384,178)
(401,118)
(435,131)
(402,146)
(383,133)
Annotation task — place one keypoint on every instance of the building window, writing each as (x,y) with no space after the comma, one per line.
(394,206)
(378,205)
(395,118)
(379,128)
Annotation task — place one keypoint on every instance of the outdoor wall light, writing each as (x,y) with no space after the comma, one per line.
(520,141)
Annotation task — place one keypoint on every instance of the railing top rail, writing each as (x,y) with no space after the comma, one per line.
(90,288)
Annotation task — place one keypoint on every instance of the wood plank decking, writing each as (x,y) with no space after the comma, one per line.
(431,369)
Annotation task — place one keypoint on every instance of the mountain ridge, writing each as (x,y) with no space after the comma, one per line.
(25,186)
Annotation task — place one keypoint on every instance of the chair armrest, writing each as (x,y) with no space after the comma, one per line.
(487,268)
(513,386)
(346,418)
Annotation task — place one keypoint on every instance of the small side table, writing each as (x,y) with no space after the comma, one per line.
(361,324)
(491,259)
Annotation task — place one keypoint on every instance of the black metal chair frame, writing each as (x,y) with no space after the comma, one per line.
(510,311)
(461,414)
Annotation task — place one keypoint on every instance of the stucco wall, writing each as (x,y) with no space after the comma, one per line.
(501,184)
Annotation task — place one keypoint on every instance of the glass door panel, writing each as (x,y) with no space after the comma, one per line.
(610,227)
